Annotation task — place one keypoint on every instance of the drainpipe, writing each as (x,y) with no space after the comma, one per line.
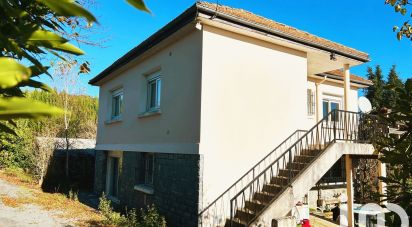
(319,98)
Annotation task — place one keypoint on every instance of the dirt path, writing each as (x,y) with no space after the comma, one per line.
(14,213)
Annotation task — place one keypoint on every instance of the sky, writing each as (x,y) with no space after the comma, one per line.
(364,25)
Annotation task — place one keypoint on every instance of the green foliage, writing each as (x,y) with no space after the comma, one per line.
(16,149)
(20,174)
(375,93)
(111,217)
(83,114)
(397,151)
(149,218)
(402,7)
(390,96)
(31,31)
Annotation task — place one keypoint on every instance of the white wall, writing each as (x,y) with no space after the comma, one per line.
(253,97)
(176,129)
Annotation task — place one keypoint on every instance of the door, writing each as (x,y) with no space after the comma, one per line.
(330,105)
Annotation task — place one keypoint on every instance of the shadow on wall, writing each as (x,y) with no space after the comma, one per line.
(81,171)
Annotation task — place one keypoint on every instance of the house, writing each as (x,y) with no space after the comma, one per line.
(186,113)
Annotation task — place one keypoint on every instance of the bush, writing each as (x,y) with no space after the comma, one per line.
(15,150)
(149,218)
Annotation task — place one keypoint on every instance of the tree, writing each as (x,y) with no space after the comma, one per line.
(68,80)
(390,96)
(35,30)
(402,7)
(375,93)
(397,151)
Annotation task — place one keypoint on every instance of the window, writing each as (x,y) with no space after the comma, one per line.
(311,102)
(113,180)
(154,87)
(329,106)
(147,169)
(117,104)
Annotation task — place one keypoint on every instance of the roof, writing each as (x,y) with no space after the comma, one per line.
(241,17)
(338,74)
(285,29)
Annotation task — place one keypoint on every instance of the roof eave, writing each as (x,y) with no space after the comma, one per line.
(340,78)
(280,34)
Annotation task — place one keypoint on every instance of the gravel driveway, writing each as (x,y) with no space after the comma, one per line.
(26,214)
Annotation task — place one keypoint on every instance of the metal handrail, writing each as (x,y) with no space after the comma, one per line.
(336,125)
(352,125)
(251,170)
(282,155)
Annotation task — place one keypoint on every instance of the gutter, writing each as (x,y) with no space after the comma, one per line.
(217,14)
(326,75)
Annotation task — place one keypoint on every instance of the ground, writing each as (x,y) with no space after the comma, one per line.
(24,204)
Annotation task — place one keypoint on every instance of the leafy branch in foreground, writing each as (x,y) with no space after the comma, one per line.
(31,31)
(401,6)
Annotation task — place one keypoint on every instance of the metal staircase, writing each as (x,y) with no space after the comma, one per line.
(245,200)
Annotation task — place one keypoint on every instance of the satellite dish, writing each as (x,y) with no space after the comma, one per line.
(364,105)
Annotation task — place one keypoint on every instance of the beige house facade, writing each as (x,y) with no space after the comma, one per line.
(199,103)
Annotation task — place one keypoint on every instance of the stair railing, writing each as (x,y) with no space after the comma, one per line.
(218,211)
(337,125)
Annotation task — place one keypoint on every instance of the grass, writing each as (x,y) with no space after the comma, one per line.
(70,209)
(18,176)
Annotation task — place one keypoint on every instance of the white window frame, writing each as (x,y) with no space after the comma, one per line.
(116,93)
(156,79)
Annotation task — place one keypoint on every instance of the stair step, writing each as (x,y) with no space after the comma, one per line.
(244,215)
(255,205)
(296,165)
(303,158)
(310,152)
(263,197)
(235,223)
(272,188)
(280,180)
(285,172)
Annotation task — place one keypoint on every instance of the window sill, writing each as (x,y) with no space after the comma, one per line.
(112,121)
(145,188)
(150,113)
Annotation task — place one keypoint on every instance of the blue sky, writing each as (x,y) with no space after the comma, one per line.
(364,25)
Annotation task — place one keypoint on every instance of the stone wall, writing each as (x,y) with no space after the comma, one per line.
(81,170)
(100,172)
(177,181)
(177,184)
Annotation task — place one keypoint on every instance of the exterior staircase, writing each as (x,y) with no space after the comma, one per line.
(271,185)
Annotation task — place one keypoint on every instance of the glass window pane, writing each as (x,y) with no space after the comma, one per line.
(120,104)
(158,92)
(335,106)
(152,94)
(115,107)
(325,108)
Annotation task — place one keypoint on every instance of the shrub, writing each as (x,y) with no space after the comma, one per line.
(149,218)
(110,217)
